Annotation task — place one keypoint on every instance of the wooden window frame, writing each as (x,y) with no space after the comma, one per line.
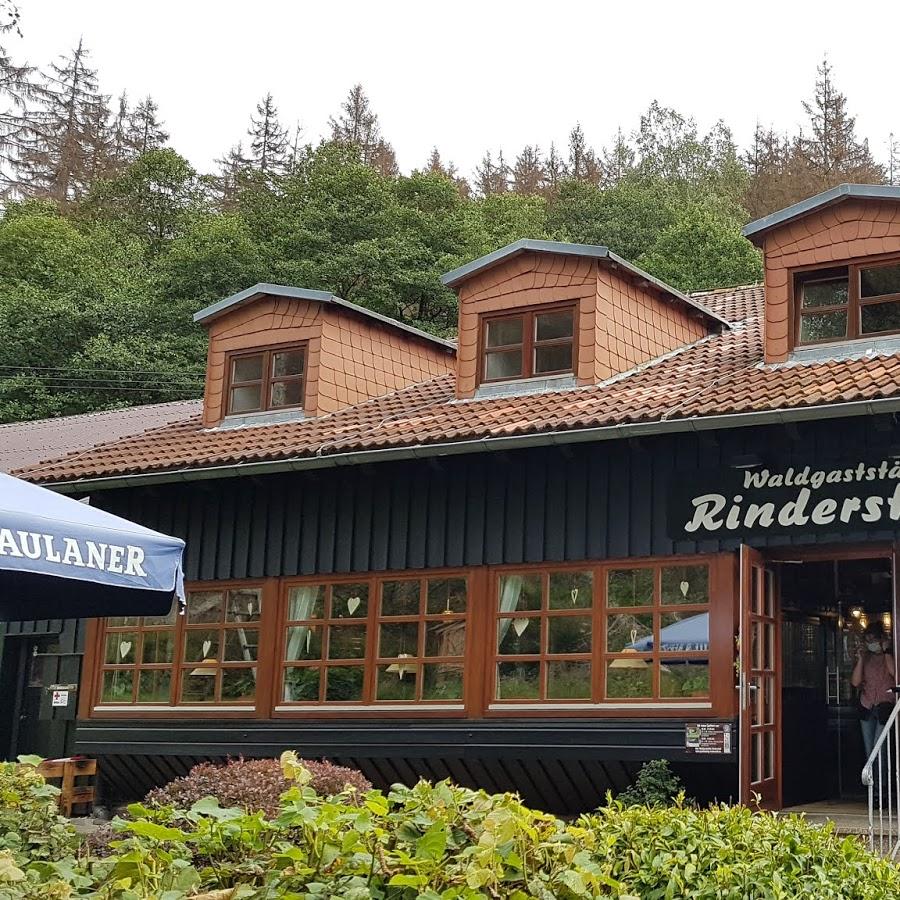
(268,379)
(855,301)
(529,343)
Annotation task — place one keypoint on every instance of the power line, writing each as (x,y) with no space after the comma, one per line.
(102,371)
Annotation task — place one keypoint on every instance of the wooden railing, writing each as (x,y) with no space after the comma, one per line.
(67,771)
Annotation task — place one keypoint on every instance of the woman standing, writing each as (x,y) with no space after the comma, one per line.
(875,675)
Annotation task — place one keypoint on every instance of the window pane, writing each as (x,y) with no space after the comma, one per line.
(503,332)
(629,587)
(303,642)
(306,602)
(158,647)
(121,648)
(518,680)
(628,632)
(555,358)
(204,606)
(201,645)
(445,638)
(346,641)
(155,686)
(571,590)
(198,686)
(823,326)
(247,368)
(245,399)
(685,584)
(505,364)
(163,620)
(400,639)
(569,634)
(243,606)
(446,595)
(123,621)
(344,683)
(301,684)
(880,280)
(634,680)
(825,293)
(880,317)
(241,645)
(118,686)
(349,601)
(397,681)
(683,631)
(287,362)
(684,679)
(569,680)
(400,598)
(286,393)
(552,325)
(238,684)
(442,681)
(519,592)
(519,636)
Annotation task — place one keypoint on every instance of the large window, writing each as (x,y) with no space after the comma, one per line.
(209,655)
(528,344)
(266,380)
(607,634)
(848,302)
(390,640)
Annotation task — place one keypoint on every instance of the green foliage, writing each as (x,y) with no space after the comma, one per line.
(656,785)
(445,843)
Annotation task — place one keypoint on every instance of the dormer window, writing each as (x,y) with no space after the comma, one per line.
(848,302)
(264,380)
(528,344)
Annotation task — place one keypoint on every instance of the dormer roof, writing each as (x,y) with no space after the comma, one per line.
(457,276)
(756,230)
(258,291)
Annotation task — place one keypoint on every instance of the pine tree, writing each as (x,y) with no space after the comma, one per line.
(583,163)
(528,174)
(357,126)
(554,171)
(436,165)
(234,168)
(119,133)
(145,129)
(298,151)
(832,152)
(58,157)
(893,170)
(768,162)
(492,177)
(268,140)
(617,160)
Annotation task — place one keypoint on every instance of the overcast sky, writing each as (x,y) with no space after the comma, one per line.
(468,76)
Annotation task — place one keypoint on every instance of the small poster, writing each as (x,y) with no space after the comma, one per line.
(707,737)
(59,698)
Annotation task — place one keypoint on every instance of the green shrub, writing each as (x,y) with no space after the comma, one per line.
(656,785)
(251,784)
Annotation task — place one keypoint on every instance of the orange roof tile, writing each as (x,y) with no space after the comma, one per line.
(719,375)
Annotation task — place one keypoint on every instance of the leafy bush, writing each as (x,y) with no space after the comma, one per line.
(251,784)
(446,843)
(656,785)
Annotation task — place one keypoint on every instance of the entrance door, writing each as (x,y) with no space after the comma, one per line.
(760,683)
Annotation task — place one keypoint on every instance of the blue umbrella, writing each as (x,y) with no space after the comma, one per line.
(686,634)
(60,558)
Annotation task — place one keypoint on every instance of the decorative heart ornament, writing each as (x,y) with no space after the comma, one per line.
(685,587)
(519,625)
(124,647)
(574,596)
(353,604)
(206,645)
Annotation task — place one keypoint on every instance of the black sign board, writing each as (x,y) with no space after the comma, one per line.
(851,497)
(707,737)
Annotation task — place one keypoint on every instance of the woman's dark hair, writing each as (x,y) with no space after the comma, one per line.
(874,629)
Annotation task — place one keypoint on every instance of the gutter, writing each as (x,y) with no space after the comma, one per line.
(697,424)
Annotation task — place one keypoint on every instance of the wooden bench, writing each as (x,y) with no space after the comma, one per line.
(67,770)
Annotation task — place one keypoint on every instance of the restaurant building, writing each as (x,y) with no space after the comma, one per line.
(612,523)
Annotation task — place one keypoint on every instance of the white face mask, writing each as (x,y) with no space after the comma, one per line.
(873,646)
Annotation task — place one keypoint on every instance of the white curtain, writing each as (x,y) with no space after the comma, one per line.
(300,606)
(510,592)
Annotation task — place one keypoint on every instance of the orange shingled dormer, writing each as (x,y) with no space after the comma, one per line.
(832,273)
(546,314)
(279,352)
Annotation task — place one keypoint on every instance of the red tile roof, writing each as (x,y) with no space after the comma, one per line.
(719,375)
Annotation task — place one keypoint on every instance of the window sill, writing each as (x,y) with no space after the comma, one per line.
(634,705)
(160,708)
(524,386)
(251,420)
(837,350)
